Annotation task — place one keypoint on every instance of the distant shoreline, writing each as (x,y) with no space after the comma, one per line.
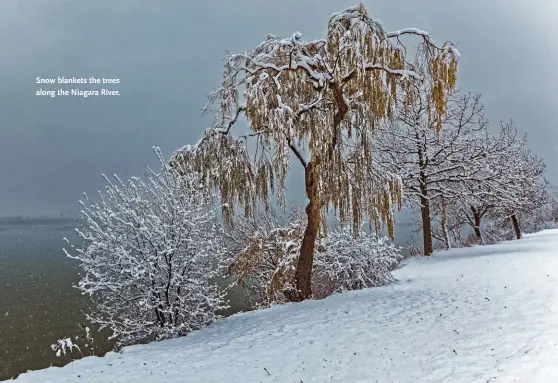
(35,220)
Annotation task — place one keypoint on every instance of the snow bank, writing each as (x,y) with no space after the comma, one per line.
(484,314)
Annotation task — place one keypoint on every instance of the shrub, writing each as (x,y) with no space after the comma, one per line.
(345,262)
(148,256)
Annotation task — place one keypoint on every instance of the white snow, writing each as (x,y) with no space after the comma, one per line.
(484,314)
(414,31)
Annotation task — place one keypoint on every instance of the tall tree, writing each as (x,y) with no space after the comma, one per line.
(319,102)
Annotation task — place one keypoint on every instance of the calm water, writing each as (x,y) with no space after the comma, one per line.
(38,304)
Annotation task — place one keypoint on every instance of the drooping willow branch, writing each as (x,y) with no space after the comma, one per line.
(319,102)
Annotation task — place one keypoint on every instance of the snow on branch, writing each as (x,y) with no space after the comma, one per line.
(63,346)
(149,252)
(318,102)
(406,31)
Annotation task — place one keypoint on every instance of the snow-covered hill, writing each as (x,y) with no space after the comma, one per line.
(485,314)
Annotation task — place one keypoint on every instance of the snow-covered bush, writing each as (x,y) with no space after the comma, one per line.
(64,346)
(264,252)
(345,262)
(497,228)
(149,253)
(84,343)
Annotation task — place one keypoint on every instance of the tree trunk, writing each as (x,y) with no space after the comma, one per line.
(445,225)
(303,273)
(516,227)
(477,223)
(426,225)
(424,201)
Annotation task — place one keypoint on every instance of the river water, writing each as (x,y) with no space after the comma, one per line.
(38,303)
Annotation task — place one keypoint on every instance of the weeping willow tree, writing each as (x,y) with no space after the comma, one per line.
(316,103)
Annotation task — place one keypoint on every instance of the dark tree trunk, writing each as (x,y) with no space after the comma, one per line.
(424,202)
(516,228)
(303,273)
(445,225)
(477,223)
(426,225)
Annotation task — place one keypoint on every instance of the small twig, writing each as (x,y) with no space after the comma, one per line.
(267,371)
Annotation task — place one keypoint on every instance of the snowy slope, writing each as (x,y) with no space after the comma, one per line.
(486,314)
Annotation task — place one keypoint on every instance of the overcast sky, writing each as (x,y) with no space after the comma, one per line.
(168,55)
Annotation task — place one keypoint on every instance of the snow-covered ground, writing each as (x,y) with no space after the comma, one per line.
(485,314)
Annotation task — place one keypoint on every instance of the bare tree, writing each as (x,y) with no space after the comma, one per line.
(431,164)
(504,180)
(510,181)
(320,102)
(530,192)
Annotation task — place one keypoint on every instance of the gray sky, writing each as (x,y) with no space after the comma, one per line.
(167,55)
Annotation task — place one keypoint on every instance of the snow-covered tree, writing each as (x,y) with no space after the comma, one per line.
(553,203)
(319,102)
(540,217)
(149,254)
(512,182)
(472,196)
(433,165)
(531,188)
(505,181)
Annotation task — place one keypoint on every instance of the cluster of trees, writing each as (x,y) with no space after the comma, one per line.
(155,257)
(371,125)
(464,176)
